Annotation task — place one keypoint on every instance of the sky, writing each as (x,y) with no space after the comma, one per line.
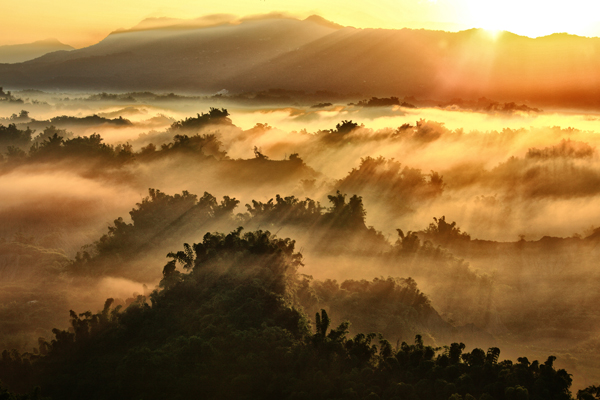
(81,24)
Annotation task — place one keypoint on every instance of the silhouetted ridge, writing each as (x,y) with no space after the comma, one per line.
(322,21)
(18,53)
(195,59)
(312,55)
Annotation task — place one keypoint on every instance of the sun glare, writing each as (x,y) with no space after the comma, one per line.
(535,18)
(494,33)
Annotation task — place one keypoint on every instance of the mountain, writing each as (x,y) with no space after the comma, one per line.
(18,53)
(168,58)
(315,54)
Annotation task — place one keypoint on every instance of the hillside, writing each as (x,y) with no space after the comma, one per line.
(231,326)
(168,58)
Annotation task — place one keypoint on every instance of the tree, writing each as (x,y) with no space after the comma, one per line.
(350,214)
(322,323)
(258,155)
(409,243)
(194,124)
(589,393)
(444,232)
(12,136)
(345,127)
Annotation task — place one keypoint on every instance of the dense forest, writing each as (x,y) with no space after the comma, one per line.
(230,324)
(341,262)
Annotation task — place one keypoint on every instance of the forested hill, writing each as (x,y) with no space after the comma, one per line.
(309,55)
(225,323)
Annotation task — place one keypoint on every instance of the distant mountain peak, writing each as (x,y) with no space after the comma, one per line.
(43,42)
(207,21)
(322,21)
(51,41)
(156,22)
(179,23)
(17,53)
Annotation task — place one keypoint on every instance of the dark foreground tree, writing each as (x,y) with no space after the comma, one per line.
(229,327)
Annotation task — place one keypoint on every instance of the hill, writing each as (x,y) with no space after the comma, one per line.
(18,53)
(230,326)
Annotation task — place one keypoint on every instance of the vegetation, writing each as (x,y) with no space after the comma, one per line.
(158,219)
(233,316)
(214,116)
(385,182)
(443,232)
(11,136)
(230,326)
(383,102)
(342,227)
(8,97)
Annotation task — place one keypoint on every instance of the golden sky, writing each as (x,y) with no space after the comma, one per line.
(81,23)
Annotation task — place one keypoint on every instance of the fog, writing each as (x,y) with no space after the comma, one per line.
(522,184)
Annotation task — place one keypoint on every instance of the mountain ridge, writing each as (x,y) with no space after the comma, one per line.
(17,53)
(315,54)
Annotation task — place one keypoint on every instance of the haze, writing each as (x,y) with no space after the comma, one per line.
(82,25)
(182,193)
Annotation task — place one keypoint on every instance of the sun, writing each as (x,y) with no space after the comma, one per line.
(535,18)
